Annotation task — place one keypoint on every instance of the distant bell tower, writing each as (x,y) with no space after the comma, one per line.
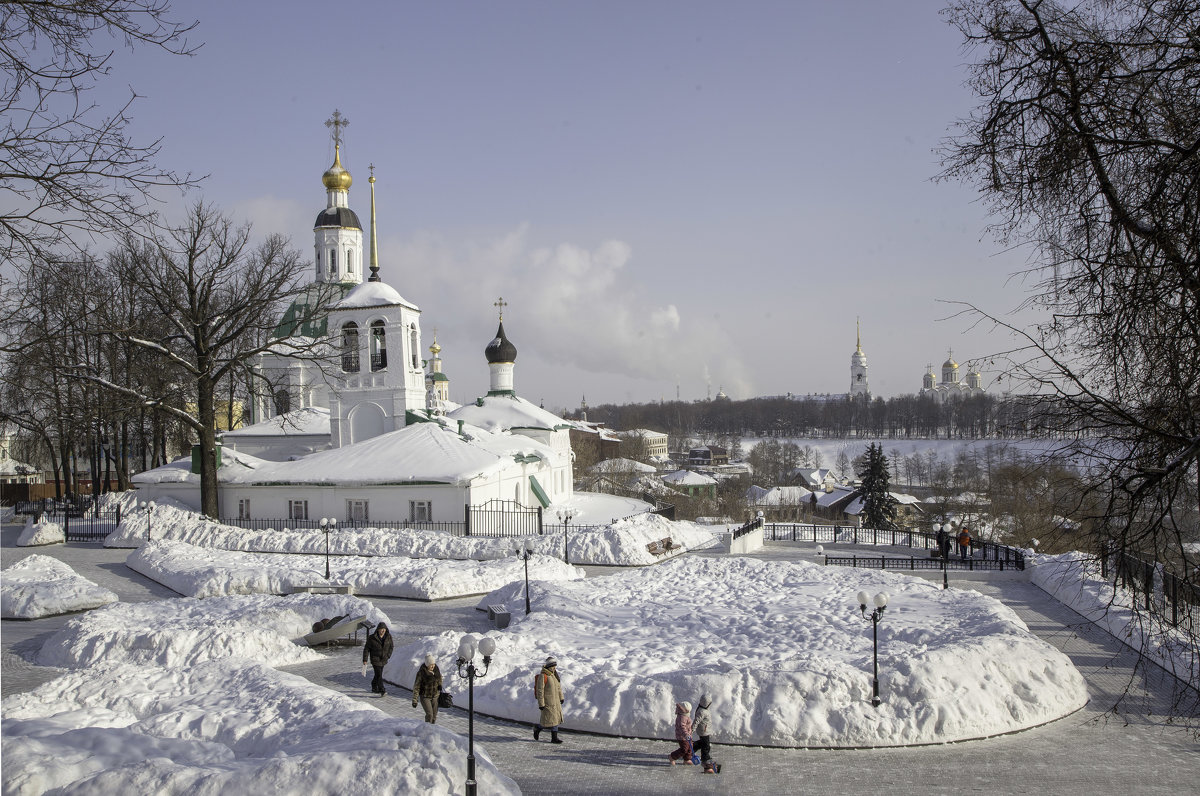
(858,367)
(337,234)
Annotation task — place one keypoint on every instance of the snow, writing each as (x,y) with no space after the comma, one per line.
(780,647)
(620,544)
(621,466)
(373,294)
(39,586)
(688,478)
(1074,579)
(311,420)
(200,572)
(503,412)
(187,631)
(41,533)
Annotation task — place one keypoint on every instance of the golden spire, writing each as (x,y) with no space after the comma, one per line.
(374,246)
(337,178)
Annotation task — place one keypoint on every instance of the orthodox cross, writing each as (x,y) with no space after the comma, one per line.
(501,303)
(336,123)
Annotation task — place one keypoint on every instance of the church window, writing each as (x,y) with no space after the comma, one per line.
(244,509)
(420,511)
(413,347)
(350,260)
(297,509)
(350,347)
(356,510)
(283,402)
(332,262)
(378,346)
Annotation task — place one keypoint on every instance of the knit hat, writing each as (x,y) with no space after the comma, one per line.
(705,701)
(429,660)
(687,707)
(551,662)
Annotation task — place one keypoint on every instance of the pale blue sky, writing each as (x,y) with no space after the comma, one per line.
(692,192)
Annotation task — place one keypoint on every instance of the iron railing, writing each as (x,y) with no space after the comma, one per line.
(1139,576)
(915,563)
(845,534)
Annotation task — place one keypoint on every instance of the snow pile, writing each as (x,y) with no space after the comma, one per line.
(624,544)
(187,631)
(40,586)
(41,533)
(221,726)
(1074,579)
(780,647)
(202,572)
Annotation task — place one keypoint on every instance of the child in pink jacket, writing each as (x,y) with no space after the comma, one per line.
(683,732)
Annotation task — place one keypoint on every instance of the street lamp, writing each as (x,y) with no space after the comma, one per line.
(327,525)
(466,670)
(880,600)
(821,552)
(942,552)
(524,550)
(149,507)
(565,518)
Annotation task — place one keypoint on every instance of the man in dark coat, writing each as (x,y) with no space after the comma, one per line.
(377,650)
(427,687)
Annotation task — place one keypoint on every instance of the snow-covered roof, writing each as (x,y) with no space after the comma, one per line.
(234,464)
(504,412)
(825,499)
(373,294)
(782,496)
(621,466)
(298,422)
(688,478)
(642,432)
(14,467)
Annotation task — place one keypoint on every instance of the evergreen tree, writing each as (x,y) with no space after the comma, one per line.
(879,507)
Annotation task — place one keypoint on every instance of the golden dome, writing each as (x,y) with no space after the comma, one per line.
(435,348)
(337,178)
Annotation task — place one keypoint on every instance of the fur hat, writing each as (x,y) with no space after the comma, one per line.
(551,661)
(429,660)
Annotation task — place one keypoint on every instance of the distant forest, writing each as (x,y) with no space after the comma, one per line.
(901,417)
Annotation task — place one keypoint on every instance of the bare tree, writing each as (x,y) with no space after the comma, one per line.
(218,301)
(1086,147)
(67,169)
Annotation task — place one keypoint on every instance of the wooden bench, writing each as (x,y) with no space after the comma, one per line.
(332,635)
(324,588)
(661,547)
(499,615)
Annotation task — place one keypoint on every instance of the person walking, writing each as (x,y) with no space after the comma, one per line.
(943,541)
(547,687)
(964,543)
(683,733)
(427,687)
(702,728)
(377,650)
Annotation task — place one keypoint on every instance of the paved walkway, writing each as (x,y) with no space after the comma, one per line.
(1134,750)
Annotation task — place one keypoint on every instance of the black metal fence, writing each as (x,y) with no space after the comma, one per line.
(269,524)
(1139,577)
(843,534)
(753,525)
(81,526)
(914,563)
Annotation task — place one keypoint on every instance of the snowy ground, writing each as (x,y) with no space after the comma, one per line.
(622,544)
(178,697)
(203,572)
(42,533)
(1074,579)
(40,586)
(781,648)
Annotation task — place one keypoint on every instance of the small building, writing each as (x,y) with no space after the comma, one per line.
(691,483)
(655,442)
(708,456)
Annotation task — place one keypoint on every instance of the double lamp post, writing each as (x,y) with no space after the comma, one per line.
(468,671)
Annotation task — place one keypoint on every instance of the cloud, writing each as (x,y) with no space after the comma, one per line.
(567,304)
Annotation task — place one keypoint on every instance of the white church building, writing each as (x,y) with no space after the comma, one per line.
(951,384)
(362,430)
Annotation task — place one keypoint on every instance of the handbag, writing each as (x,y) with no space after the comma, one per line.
(445,700)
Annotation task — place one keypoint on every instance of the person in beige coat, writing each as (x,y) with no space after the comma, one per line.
(548,689)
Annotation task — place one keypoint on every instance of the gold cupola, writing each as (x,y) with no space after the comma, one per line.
(337,178)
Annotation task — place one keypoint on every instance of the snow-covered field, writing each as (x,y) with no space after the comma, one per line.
(40,586)
(781,648)
(204,572)
(178,697)
(1074,579)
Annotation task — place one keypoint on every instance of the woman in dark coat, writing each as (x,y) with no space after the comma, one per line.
(377,650)
(427,687)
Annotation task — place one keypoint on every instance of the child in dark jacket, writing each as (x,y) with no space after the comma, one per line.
(702,727)
(683,732)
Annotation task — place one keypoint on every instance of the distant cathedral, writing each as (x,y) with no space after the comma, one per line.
(950,383)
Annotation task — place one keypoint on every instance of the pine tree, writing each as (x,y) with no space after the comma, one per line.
(879,507)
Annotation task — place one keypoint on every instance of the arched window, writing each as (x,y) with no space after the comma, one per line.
(350,260)
(350,347)
(412,346)
(332,262)
(318,263)
(283,402)
(378,346)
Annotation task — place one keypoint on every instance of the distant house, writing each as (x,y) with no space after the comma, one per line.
(781,502)
(815,479)
(708,456)
(655,441)
(691,483)
(592,442)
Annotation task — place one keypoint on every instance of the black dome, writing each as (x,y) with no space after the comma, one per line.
(500,349)
(337,217)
